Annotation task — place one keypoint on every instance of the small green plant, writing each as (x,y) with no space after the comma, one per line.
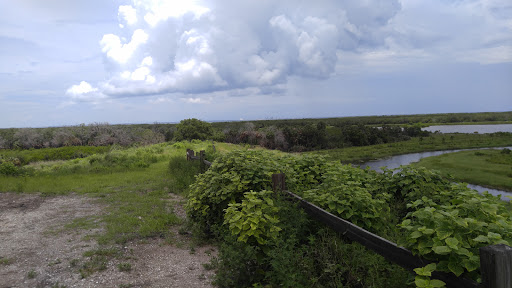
(58,285)
(5,261)
(74,262)
(31,274)
(124,267)
(450,227)
(9,169)
(253,220)
(55,262)
(423,280)
(98,260)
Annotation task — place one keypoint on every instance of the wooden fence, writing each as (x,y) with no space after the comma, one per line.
(201,156)
(495,260)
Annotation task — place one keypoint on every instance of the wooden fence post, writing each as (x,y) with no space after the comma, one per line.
(278,182)
(496,266)
(201,161)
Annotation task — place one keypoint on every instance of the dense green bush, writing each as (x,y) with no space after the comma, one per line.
(9,169)
(434,218)
(258,228)
(189,129)
(50,154)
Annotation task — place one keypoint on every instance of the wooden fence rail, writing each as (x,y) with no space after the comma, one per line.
(201,156)
(495,260)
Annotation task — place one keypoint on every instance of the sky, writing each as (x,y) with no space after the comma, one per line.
(68,62)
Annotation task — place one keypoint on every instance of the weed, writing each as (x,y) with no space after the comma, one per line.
(124,267)
(209,266)
(95,264)
(109,252)
(98,260)
(31,274)
(74,262)
(53,263)
(5,261)
(57,285)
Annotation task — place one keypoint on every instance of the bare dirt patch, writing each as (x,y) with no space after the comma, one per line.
(36,250)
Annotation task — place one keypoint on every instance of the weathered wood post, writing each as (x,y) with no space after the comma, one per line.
(213,145)
(496,266)
(189,153)
(201,161)
(278,182)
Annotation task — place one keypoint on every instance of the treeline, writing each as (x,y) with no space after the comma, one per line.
(426,119)
(308,136)
(97,134)
(294,135)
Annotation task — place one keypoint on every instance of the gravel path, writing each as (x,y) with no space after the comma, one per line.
(35,250)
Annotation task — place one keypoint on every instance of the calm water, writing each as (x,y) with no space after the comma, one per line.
(480,129)
(406,159)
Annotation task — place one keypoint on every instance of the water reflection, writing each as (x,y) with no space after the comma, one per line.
(469,129)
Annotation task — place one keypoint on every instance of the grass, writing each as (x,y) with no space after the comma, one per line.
(5,261)
(431,143)
(61,153)
(134,185)
(31,274)
(124,267)
(489,168)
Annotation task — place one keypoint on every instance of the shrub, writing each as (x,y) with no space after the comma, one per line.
(189,129)
(9,169)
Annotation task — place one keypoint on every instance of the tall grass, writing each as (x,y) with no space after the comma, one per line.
(490,168)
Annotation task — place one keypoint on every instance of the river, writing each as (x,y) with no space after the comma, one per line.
(406,159)
(469,129)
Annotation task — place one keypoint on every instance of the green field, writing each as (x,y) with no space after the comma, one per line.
(134,182)
(489,168)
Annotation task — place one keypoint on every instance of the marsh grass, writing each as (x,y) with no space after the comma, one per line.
(418,144)
(489,168)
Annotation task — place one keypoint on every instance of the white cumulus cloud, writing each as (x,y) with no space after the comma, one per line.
(127,14)
(167,47)
(84,92)
(114,48)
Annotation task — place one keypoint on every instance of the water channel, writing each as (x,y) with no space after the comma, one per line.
(470,129)
(406,159)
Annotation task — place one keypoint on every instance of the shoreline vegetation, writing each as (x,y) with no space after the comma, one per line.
(435,142)
(488,168)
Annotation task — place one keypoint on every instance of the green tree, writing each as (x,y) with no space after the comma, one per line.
(189,129)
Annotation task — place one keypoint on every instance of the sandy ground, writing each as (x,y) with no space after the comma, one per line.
(36,252)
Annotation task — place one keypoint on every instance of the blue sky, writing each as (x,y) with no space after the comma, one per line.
(144,61)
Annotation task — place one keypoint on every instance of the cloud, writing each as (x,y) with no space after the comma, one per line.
(84,92)
(195,47)
(127,14)
(112,45)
